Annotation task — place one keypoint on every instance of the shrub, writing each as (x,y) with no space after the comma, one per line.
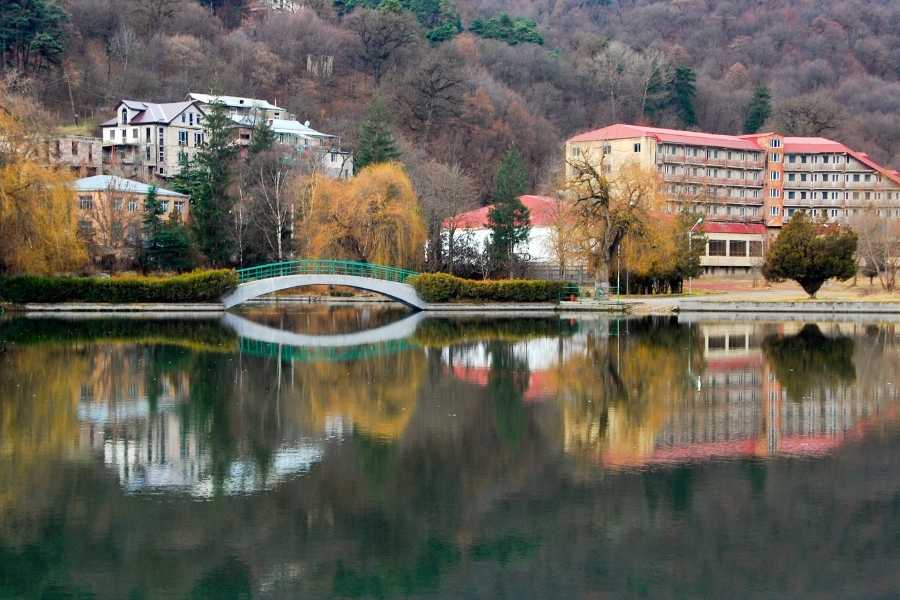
(440,287)
(811,254)
(198,286)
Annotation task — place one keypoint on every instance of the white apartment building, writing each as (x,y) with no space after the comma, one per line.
(147,139)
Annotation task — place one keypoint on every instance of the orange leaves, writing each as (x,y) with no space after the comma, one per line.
(374,216)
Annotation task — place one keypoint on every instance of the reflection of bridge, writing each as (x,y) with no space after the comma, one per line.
(262,340)
(274,277)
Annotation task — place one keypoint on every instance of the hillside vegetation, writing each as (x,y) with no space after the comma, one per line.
(463,80)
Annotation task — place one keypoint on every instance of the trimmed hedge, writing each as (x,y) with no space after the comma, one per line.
(441,287)
(198,286)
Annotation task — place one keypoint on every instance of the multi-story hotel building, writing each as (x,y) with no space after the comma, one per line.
(763,178)
(148,140)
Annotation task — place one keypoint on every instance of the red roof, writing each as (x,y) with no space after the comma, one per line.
(731,227)
(542,210)
(675,136)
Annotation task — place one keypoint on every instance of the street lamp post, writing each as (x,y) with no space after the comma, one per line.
(690,235)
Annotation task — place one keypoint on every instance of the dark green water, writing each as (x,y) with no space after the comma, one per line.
(473,458)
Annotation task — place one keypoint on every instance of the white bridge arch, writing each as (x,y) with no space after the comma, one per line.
(401,292)
(397,330)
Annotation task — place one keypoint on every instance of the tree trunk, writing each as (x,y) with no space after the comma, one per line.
(601,280)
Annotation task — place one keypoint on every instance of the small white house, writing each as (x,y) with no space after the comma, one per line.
(543,211)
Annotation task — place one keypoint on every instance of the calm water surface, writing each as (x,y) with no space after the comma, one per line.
(340,452)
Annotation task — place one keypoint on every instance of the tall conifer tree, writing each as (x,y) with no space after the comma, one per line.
(759,109)
(376,143)
(508,219)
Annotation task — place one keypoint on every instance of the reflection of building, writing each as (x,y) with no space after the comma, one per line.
(735,406)
(163,447)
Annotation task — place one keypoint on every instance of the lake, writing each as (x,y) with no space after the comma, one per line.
(317,451)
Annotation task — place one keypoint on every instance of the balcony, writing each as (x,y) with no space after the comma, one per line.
(813,167)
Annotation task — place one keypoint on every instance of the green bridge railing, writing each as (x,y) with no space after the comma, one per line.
(324,267)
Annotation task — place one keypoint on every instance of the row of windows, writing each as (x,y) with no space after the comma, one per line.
(118,204)
(705,152)
(833,177)
(183,136)
(835,195)
(734,248)
(719,173)
(713,191)
(835,213)
(717,209)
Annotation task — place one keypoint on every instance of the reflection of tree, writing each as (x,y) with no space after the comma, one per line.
(810,360)
(619,392)
(444,332)
(376,394)
(506,385)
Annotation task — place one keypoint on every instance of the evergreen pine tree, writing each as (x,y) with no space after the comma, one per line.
(376,143)
(205,179)
(684,90)
(508,219)
(263,137)
(758,110)
(152,225)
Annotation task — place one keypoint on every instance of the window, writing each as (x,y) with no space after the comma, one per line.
(774,175)
(791,195)
(134,133)
(182,138)
(637,147)
(775,143)
(182,158)
(833,213)
(576,151)
(775,157)
(737,248)
(774,193)
(803,195)
(147,135)
(132,205)
(856,177)
(191,118)
(773,211)
(124,116)
(792,158)
(792,176)
(183,118)
(116,231)
(85,203)
(147,152)
(179,206)
(198,139)
(716,248)
(117,204)
(74,148)
(607,149)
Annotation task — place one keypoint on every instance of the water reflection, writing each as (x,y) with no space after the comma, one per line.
(463,456)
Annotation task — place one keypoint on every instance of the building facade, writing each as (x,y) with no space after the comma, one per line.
(149,140)
(238,106)
(82,155)
(764,178)
(110,213)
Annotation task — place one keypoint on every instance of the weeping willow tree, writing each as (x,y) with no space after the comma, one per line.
(38,228)
(373,217)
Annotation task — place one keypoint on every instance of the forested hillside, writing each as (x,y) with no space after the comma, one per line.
(463,80)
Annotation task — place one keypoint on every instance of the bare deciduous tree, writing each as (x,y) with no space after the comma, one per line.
(879,245)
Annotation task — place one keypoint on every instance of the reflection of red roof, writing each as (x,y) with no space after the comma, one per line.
(732,227)
(540,385)
(542,209)
(674,136)
(734,363)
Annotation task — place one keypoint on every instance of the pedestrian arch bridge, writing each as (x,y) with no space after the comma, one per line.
(254,282)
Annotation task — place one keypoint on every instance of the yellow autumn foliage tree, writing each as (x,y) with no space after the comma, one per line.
(38,228)
(373,217)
